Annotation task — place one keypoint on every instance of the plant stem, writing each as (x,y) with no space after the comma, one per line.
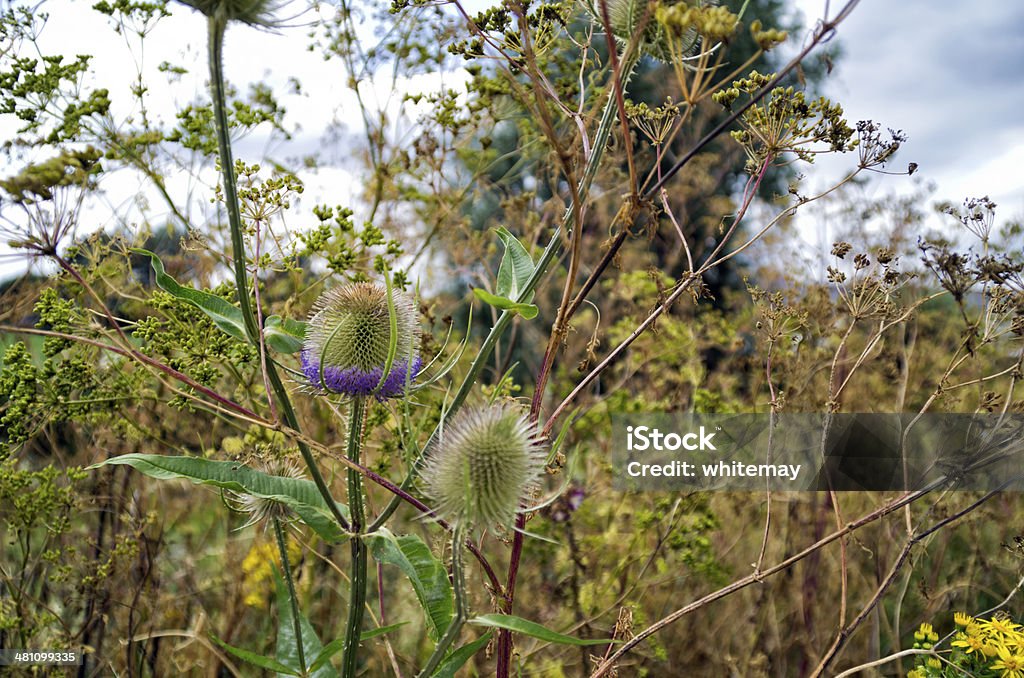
(357,595)
(461,609)
(286,570)
(553,249)
(227,167)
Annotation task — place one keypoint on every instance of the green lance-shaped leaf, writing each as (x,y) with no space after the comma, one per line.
(223,314)
(533,629)
(286,644)
(335,646)
(515,269)
(528,311)
(426,573)
(513,275)
(284,335)
(257,659)
(281,334)
(298,494)
(453,662)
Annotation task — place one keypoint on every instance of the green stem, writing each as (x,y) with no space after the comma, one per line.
(553,249)
(286,569)
(357,596)
(461,608)
(216,56)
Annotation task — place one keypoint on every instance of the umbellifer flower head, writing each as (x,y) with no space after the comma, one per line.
(481,469)
(349,337)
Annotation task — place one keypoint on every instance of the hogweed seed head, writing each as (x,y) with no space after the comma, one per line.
(483,466)
(349,336)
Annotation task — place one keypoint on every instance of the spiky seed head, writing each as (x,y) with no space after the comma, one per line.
(483,466)
(253,12)
(263,509)
(349,336)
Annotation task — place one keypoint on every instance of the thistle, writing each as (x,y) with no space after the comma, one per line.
(348,342)
(483,466)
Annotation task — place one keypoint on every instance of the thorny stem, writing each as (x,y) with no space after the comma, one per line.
(357,583)
(286,571)
(552,250)
(216,47)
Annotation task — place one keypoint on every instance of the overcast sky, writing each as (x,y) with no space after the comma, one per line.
(947,73)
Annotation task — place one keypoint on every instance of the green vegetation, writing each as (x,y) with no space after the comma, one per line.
(416,480)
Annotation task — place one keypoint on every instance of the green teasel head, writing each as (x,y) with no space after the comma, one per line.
(348,341)
(484,465)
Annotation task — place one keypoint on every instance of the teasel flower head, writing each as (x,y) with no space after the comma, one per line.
(483,466)
(348,340)
(264,509)
(258,13)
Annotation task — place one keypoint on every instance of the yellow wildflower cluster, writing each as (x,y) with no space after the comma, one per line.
(989,647)
(258,570)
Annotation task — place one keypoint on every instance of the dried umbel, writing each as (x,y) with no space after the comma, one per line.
(348,340)
(484,465)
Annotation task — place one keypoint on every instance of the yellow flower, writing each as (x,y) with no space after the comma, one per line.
(962,618)
(969,643)
(1010,664)
(999,625)
(934,663)
(257,570)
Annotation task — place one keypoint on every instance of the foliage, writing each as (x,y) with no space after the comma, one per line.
(555,245)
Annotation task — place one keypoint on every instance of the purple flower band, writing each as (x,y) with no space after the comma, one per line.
(356,382)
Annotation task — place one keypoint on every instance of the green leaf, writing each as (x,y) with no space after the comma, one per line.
(533,629)
(257,659)
(528,311)
(284,335)
(426,573)
(299,495)
(329,650)
(287,652)
(224,315)
(455,660)
(380,631)
(515,269)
